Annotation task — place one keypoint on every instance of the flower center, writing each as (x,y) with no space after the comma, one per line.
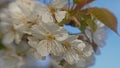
(67,45)
(50,37)
(52,9)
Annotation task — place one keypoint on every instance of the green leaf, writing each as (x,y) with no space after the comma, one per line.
(105,17)
(91,24)
(1,45)
(77,1)
(83,26)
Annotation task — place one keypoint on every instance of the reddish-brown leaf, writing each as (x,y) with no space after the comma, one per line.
(105,16)
(82,3)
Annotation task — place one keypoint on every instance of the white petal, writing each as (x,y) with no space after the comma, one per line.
(78,44)
(72,57)
(41,8)
(100,24)
(88,33)
(72,38)
(33,42)
(99,36)
(56,48)
(50,27)
(21,27)
(47,17)
(18,37)
(9,38)
(8,58)
(15,11)
(37,55)
(5,27)
(43,48)
(28,6)
(81,64)
(61,34)
(59,3)
(88,61)
(88,51)
(60,15)
(38,31)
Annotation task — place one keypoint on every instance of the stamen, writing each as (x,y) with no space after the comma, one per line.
(50,37)
(67,45)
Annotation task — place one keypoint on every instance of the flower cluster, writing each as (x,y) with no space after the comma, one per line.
(35,27)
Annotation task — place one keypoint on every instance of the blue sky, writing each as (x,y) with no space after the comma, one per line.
(110,56)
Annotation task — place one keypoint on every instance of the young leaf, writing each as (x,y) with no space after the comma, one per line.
(77,1)
(83,26)
(105,17)
(82,4)
(91,24)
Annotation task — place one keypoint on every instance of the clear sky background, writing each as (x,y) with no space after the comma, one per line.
(110,53)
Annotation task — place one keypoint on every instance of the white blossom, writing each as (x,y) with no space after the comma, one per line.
(86,63)
(29,26)
(76,51)
(9,59)
(17,20)
(99,35)
(59,3)
(24,17)
(49,11)
(10,35)
(48,38)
